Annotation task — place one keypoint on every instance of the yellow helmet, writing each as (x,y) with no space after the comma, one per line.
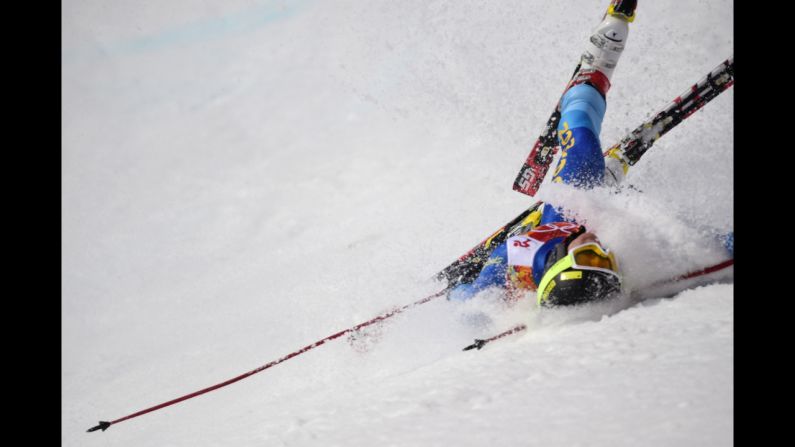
(575,275)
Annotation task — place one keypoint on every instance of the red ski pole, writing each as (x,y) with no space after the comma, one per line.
(103,425)
(479,343)
(705,271)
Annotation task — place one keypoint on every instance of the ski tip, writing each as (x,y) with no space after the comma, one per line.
(102,425)
(525,188)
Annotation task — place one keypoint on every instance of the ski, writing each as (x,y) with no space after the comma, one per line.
(466,268)
(632,147)
(546,146)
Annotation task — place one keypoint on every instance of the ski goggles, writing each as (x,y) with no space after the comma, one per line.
(592,256)
(588,256)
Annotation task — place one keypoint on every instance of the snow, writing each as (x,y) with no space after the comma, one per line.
(241,179)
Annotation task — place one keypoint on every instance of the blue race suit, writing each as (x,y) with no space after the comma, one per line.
(581,164)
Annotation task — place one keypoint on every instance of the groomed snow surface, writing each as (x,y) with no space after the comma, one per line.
(243,178)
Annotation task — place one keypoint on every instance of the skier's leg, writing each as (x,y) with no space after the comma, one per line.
(581,162)
(583,105)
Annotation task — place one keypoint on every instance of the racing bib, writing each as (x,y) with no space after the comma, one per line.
(523,249)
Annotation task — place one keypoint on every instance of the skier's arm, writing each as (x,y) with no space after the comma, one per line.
(492,274)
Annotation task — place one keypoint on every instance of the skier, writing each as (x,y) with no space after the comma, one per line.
(554,256)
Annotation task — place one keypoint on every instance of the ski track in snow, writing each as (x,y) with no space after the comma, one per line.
(242,179)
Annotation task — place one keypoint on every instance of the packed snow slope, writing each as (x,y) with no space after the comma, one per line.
(242,178)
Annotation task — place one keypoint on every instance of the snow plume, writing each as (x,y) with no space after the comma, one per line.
(651,241)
